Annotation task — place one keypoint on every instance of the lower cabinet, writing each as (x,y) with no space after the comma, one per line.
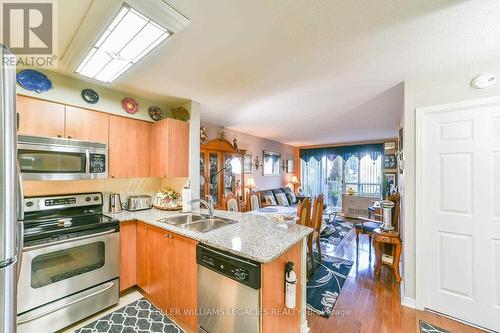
(167,273)
(128,254)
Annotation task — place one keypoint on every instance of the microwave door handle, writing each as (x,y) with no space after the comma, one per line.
(87,162)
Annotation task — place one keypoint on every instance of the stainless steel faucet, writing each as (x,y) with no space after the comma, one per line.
(208,204)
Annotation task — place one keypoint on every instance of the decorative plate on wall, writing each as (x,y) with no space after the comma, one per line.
(155,112)
(33,80)
(90,96)
(130,105)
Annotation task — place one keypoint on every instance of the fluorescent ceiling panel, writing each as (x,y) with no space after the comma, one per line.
(128,38)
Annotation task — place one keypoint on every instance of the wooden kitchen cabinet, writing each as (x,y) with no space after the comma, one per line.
(142,259)
(184,282)
(170,148)
(86,125)
(129,147)
(128,254)
(40,118)
(160,268)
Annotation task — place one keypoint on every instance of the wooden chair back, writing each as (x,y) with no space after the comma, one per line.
(253,200)
(317,214)
(231,203)
(304,212)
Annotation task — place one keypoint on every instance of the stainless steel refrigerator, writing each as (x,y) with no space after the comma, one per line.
(11,196)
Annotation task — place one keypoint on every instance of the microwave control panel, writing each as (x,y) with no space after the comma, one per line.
(97,163)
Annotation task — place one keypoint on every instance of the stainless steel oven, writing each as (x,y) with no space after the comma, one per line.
(70,262)
(61,159)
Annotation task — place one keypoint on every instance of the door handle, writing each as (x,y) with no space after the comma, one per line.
(20,194)
(87,161)
(20,242)
(41,246)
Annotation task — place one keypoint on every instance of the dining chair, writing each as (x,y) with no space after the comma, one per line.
(231,203)
(253,200)
(367,226)
(304,218)
(316,222)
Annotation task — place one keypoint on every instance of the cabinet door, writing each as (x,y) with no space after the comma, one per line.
(184,282)
(40,118)
(143,255)
(170,145)
(86,125)
(160,268)
(128,254)
(129,147)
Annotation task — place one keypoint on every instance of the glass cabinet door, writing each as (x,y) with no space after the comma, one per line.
(203,181)
(233,179)
(214,186)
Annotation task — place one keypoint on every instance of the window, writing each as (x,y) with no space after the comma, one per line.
(333,176)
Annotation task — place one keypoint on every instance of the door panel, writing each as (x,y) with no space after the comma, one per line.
(128,254)
(86,125)
(459,198)
(160,275)
(143,254)
(40,118)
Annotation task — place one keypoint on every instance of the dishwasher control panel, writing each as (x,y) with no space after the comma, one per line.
(234,267)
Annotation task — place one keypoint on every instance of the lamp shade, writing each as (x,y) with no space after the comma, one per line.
(251,183)
(294,180)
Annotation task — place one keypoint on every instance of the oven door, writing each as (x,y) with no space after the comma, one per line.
(55,270)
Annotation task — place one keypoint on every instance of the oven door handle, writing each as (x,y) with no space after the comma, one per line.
(41,246)
(44,313)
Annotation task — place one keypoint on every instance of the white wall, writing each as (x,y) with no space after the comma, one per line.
(255,146)
(427,91)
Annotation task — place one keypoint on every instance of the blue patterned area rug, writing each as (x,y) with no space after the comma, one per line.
(425,327)
(324,287)
(334,233)
(138,317)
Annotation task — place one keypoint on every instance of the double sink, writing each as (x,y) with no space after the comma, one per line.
(197,221)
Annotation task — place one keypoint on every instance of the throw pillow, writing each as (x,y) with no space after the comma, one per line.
(270,201)
(282,200)
(291,197)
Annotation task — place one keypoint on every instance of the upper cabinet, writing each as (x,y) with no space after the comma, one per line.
(170,148)
(129,147)
(40,118)
(86,125)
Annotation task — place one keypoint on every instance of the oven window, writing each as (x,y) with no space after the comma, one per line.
(65,264)
(37,161)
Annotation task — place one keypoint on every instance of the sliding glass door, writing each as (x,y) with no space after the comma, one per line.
(334,175)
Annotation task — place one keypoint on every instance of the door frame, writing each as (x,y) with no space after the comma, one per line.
(420,113)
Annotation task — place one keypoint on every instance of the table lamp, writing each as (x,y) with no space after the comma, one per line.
(251,183)
(295,181)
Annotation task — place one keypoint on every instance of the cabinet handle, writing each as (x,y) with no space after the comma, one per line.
(146,227)
(112,176)
(70,137)
(169,236)
(59,135)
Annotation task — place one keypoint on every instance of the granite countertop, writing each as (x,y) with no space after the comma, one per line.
(254,237)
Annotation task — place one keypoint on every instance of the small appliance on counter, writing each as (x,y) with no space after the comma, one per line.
(115,203)
(138,202)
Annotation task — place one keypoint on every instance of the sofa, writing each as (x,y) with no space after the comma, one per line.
(266,197)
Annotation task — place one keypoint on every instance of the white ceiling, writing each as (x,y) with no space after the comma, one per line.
(306,71)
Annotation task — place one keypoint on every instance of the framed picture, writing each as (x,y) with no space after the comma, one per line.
(391,145)
(290,166)
(272,163)
(390,161)
(392,187)
(247,163)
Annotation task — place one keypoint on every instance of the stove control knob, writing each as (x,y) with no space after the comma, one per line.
(29,204)
(96,198)
(88,199)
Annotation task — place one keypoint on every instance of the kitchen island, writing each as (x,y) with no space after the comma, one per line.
(161,259)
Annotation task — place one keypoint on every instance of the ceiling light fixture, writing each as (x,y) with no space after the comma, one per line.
(126,40)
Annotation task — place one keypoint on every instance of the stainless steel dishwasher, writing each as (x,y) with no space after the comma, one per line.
(228,292)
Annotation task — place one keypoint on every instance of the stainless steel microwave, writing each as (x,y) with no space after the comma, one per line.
(61,159)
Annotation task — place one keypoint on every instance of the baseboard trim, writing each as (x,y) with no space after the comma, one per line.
(408,302)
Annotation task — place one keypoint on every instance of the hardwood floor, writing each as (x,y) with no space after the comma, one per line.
(372,304)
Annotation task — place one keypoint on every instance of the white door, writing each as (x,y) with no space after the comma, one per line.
(458,209)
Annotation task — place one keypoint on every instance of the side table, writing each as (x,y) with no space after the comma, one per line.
(381,237)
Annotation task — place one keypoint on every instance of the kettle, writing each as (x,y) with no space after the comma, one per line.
(115,203)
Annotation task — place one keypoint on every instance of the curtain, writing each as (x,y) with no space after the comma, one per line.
(373,150)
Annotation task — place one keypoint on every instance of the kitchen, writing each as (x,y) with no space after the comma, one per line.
(83,247)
